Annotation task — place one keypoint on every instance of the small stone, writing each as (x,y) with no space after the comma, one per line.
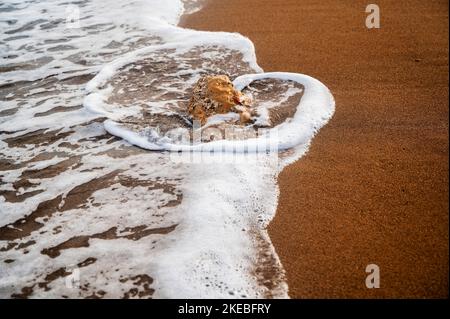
(216,94)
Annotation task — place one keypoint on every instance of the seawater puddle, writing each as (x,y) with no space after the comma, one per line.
(87,214)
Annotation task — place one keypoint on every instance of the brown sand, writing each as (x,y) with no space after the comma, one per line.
(374,186)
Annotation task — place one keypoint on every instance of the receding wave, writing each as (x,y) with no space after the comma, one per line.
(92,205)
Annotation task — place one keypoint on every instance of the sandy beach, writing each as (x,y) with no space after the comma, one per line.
(107,192)
(374,186)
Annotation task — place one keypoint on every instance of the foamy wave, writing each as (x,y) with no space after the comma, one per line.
(313,111)
(133,223)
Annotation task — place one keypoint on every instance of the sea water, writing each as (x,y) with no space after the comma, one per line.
(99,196)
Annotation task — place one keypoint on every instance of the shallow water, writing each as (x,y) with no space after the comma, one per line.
(85,214)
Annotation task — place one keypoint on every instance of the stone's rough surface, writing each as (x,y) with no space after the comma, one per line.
(215,94)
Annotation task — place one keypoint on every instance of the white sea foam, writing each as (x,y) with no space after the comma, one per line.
(194,222)
(313,111)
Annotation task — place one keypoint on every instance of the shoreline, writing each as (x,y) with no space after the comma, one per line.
(373,187)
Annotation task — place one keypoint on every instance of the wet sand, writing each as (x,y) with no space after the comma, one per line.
(374,186)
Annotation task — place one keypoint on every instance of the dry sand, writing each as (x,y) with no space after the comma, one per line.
(374,186)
